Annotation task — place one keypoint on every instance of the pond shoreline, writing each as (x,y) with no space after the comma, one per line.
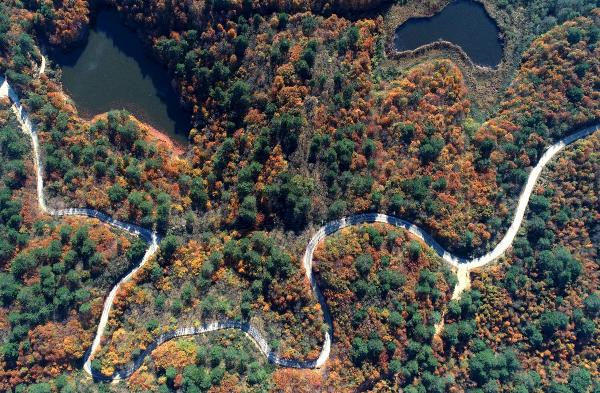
(153,134)
(113,69)
(485,87)
(444,45)
(484,49)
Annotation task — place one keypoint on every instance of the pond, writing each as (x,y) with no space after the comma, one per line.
(463,22)
(112,70)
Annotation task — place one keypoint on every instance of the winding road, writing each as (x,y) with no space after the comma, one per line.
(462,265)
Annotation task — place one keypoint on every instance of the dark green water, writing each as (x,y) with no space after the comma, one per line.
(463,22)
(113,71)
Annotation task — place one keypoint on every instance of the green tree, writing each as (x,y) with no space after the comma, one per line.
(163,211)
(257,375)
(168,246)
(397,204)
(286,128)
(559,267)
(363,264)
(336,209)
(395,319)
(427,284)
(353,35)
(390,280)
(195,379)
(375,347)
(136,251)
(283,19)
(553,321)
(580,380)
(534,335)
(584,328)
(10,353)
(395,366)
(170,374)
(574,35)
(198,193)
(359,351)
(592,305)
(21,264)
(414,249)
(187,294)
(556,387)
(176,307)
(430,149)
(486,366)
(39,388)
(240,43)
(450,334)
(239,99)
(116,193)
(302,69)
(221,158)
(290,198)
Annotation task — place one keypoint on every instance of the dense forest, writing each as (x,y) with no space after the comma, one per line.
(56,273)
(387,292)
(294,124)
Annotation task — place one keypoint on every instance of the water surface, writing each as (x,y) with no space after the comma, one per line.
(463,22)
(113,71)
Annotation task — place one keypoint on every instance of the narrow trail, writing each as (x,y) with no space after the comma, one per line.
(463,266)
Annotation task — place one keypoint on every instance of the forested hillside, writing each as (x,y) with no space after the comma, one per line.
(297,123)
(55,272)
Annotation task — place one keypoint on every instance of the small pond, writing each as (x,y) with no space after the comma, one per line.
(463,22)
(112,70)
